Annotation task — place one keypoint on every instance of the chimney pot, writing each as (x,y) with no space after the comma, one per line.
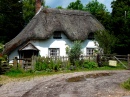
(37,5)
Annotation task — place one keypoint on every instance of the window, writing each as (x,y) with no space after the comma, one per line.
(91,36)
(54,52)
(57,35)
(90,51)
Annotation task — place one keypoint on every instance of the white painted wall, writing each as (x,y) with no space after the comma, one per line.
(88,44)
(52,43)
(13,55)
(43,46)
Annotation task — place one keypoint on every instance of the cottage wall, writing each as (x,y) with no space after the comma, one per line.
(52,43)
(44,45)
(12,55)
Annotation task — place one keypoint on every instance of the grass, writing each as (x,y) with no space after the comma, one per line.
(126,84)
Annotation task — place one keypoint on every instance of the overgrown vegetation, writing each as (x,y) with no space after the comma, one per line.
(90,64)
(126,84)
(106,41)
(45,66)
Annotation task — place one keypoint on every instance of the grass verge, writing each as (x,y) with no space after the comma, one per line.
(16,74)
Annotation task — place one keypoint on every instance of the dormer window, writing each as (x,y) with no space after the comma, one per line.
(91,36)
(57,35)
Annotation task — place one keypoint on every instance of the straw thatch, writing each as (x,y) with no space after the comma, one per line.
(75,24)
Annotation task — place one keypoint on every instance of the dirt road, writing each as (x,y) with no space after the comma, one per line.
(94,85)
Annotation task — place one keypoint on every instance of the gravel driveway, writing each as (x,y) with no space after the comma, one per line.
(59,86)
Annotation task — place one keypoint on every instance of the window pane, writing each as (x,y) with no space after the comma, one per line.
(90,51)
(91,36)
(54,51)
(57,35)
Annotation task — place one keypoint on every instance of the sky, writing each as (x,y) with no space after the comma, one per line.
(65,3)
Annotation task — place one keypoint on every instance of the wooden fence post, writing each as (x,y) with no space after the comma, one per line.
(98,60)
(15,62)
(33,60)
(128,59)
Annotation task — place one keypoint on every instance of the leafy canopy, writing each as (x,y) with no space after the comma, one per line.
(77,5)
(121,25)
(106,41)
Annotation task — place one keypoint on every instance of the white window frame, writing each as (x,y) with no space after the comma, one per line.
(54,52)
(90,51)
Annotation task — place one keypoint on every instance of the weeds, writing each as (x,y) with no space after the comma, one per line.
(46,66)
(126,84)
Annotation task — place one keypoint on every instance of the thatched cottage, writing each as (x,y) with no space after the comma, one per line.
(51,30)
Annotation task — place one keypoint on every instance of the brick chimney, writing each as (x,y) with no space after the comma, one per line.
(38,5)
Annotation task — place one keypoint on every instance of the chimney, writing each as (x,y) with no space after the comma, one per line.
(38,5)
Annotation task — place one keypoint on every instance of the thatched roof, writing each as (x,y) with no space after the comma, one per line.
(75,24)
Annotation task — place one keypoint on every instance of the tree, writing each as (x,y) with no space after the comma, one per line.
(100,12)
(11,19)
(1,47)
(28,10)
(121,24)
(59,7)
(106,41)
(95,7)
(75,5)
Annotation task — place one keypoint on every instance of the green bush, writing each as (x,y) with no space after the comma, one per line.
(90,64)
(47,64)
(41,63)
(75,52)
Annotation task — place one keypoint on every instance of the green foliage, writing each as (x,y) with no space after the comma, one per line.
(90,64)
(75,52)
(77,5)
(126,84)
(95,7)
(14,72)
(40,64)
(106,41)
(100,12)
(48,64)
(59,7)
(121,24)
(1,47)
(67,50)
(28,10)
(11,19)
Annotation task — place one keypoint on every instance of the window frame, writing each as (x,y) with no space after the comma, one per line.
(57,35)
(91,36)
(90,52)
(52,52)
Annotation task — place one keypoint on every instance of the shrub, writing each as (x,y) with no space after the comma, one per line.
(47,64)
(90,64)
(41,64)
(75,52)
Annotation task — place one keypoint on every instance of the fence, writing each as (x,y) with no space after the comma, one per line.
(124,60)
(28,63)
